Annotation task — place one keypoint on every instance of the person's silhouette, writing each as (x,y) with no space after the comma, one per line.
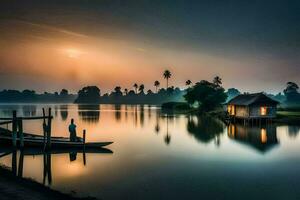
(72,130)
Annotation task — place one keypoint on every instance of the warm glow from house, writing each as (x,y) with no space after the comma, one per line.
(231,109)
(263,135)
(231,130)
(263,110)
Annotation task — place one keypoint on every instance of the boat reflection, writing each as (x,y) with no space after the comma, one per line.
(259,138)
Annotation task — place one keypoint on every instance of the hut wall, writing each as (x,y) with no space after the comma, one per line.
(241,111)
(255,111)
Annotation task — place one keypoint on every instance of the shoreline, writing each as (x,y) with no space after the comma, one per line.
(17,188)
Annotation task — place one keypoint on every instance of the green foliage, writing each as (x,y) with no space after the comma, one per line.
(89,94)
(232,92)
(208,95)
(291,92)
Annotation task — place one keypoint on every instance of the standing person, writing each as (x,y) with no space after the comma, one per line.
(72,130)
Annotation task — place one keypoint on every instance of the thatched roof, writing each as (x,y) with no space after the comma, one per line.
(248,99)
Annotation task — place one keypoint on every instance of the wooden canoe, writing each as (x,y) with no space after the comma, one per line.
(55,143)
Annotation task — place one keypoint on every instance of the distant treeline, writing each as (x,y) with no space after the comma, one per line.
(30,96)
(91,94)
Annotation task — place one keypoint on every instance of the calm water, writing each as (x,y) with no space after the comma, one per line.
(159,156)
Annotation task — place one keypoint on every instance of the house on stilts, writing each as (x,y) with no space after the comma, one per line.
(255,107)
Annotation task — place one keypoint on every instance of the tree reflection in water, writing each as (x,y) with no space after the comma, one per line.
(167,137)
(29,110)
(64,112)
(118,112)
(89,113)
(205,128)
(293,130)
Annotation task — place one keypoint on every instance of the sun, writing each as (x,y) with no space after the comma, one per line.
(73,53)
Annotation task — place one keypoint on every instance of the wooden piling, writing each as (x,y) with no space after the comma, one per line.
(14,129)
(83,152)
(21,135)
(49,129)
(84,133)
(44,128)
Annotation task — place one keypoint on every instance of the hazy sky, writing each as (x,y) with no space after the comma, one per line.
(54,44)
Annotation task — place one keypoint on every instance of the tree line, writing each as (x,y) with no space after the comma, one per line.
(92,94)
(31,96)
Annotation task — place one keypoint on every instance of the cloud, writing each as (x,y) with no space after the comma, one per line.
(53,28)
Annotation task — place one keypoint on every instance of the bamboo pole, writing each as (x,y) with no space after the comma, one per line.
(14,129)
(49,130)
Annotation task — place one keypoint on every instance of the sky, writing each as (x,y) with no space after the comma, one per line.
(53,44)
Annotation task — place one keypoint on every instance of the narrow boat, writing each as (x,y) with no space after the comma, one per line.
(55,143)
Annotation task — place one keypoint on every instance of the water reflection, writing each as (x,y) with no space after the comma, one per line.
(167,138)
(18,158)
(47,175)
(29,110)
(153,148)
(157,120)
(142,115)
(205,129)
(261,138)
(293,131)
(64,112)
(89,113)
(118,112)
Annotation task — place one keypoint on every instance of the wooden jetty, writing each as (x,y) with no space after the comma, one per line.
(18,139)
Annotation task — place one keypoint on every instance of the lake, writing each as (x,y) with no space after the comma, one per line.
(164,156)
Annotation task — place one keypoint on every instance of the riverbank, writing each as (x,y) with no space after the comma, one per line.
(288,117)
(12,187)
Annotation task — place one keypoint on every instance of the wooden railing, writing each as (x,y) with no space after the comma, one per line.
(17,127)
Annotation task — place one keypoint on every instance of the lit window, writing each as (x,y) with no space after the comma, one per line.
(231,109)
(263,110)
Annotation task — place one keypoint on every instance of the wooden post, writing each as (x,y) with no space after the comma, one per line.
(84,133)
(83,153)
(44,127)
(49,130)
(14,129)
(21,136)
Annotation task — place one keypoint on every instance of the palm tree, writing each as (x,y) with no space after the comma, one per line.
(217,81)
(156,84)
(188,82)
(167,74)
(141,88)
(135,87)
